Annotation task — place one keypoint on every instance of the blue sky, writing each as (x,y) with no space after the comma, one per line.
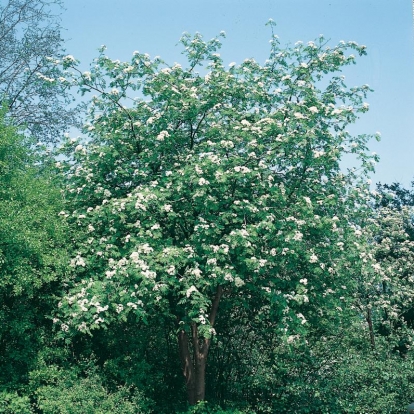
(384,26)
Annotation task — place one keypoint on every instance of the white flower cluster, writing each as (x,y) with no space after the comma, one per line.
(69,59)
(196,272)
(78,261)
(202,317)
(190,291)
(45,78)
(227,144)
(298,115)
(298,236)
(302,318)
(203,181)
(238,282)
(162,135)
(223,247)
(318,154)
(242,169)
(143,197)
(313,258)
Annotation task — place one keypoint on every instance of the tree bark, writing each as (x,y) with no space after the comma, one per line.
(193,355)
(201,378)
(187,366)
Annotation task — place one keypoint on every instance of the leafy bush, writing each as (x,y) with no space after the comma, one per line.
(12,403)
(203,407)
(72,391)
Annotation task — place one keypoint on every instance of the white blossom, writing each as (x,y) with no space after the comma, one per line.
(78,261)
(203,181)
(313,258)
(244,233)
(69,59)
(162,135)
(110,273)
(318,154)
(238,282)
(303,319)
(228,277)
(134,257)
(376,267)
(298,115)
(298,236)
(146,248)
(196,272)
(190,291)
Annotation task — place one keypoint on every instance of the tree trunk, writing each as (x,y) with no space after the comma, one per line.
(200,365)
(193,355)
(187,366)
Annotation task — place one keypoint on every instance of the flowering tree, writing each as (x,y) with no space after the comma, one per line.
(212,187)
(387,296)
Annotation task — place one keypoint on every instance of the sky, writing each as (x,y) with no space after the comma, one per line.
(384,26)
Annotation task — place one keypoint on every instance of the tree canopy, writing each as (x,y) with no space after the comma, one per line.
(223,187)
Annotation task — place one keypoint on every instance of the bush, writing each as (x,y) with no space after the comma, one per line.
(12,403)
(70,391)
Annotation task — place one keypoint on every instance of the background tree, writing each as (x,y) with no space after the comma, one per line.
(32,255)
(394,196)
(30,43)
(393,248)
(215,191)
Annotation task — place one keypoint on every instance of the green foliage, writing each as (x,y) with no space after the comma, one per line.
(204,407)
(31,233)
(322,373)
(32,254)
(231,179)
(223,188)
(12,403)
(67,392)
